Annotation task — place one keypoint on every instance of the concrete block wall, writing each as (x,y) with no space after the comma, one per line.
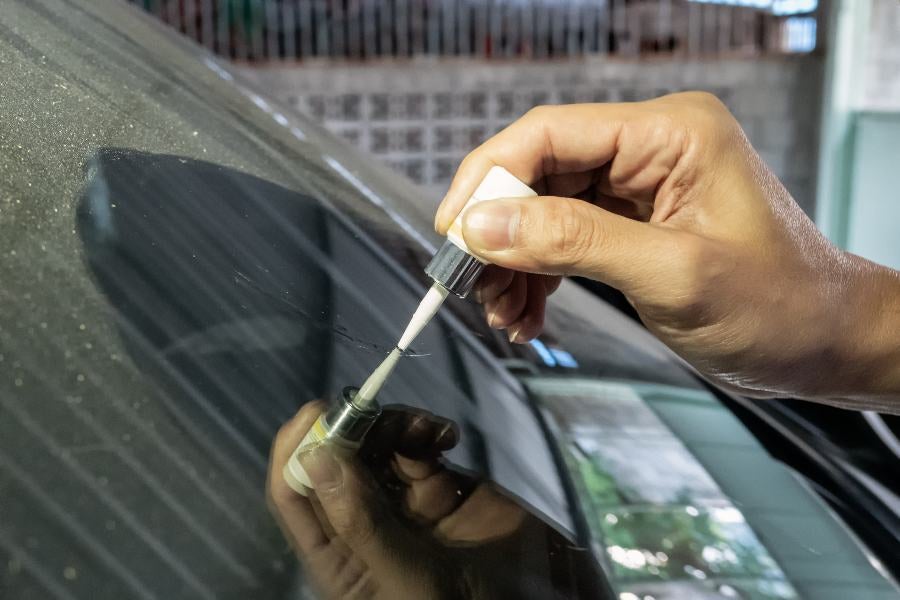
(422,117)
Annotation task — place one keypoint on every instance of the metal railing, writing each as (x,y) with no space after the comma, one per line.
(355,30)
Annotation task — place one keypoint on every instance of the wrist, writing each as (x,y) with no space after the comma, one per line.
(869,344)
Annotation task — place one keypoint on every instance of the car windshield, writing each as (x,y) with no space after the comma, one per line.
(185,264)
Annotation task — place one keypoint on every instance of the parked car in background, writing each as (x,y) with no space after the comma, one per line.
(184,264)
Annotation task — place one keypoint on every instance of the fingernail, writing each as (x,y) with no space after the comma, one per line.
(419,423)
(514,335)
(492,316)
(438,218)
(323,470)
(491,225)
(441,215)
(477,294)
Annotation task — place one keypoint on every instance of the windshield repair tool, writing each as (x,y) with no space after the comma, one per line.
(453,269)
(343,426)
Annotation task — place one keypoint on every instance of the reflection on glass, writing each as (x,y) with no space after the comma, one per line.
(630,471)
(659,522)
(671,543)
(239,299)
(397,523)
(710,590)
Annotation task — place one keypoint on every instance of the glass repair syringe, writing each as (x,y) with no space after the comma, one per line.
(453,270)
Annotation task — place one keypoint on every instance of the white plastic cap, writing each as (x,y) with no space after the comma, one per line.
(500,183)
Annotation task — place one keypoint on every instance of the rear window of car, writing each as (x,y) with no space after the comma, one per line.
(184,266)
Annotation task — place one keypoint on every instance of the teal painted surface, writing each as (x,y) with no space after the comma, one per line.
(847,25)
(873,226)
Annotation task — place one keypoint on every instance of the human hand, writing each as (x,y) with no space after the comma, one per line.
(667,201)
(396,524)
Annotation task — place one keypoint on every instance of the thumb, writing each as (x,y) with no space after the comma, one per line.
(348,501)
(564,236)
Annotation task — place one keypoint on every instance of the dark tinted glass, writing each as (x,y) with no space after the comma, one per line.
(183,268)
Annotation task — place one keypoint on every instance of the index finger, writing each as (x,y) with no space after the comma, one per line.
(547,140)
(412,432)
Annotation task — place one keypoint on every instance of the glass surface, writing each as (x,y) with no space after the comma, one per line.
(184,265)
(654,512)
(660,496)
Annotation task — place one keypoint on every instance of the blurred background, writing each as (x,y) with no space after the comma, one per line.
(419,83)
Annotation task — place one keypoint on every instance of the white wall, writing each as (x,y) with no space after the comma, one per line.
(882,69)
(858,196)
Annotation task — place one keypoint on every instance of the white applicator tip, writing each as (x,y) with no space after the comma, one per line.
(428,307)
(376,380)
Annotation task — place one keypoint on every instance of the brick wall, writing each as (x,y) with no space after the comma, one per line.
(422,117)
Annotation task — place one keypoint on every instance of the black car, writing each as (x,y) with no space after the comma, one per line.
(184,264)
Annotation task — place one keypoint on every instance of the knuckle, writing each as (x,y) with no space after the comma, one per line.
(411,498)
(364,533)
(660,125)
(538,113)
(280,434)
(470,160)
(705,110)
(311,410)
(282,437)
(711,114)
(699,118)
(552,284)
(476,161)
(280,494)
(698,99)
(356,528)
(353,508)
(706,100)
(572,236)
(288,430)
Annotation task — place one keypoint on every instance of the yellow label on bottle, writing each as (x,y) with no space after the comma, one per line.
(293,472)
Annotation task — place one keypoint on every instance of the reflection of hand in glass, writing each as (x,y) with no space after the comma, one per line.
(395,523)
